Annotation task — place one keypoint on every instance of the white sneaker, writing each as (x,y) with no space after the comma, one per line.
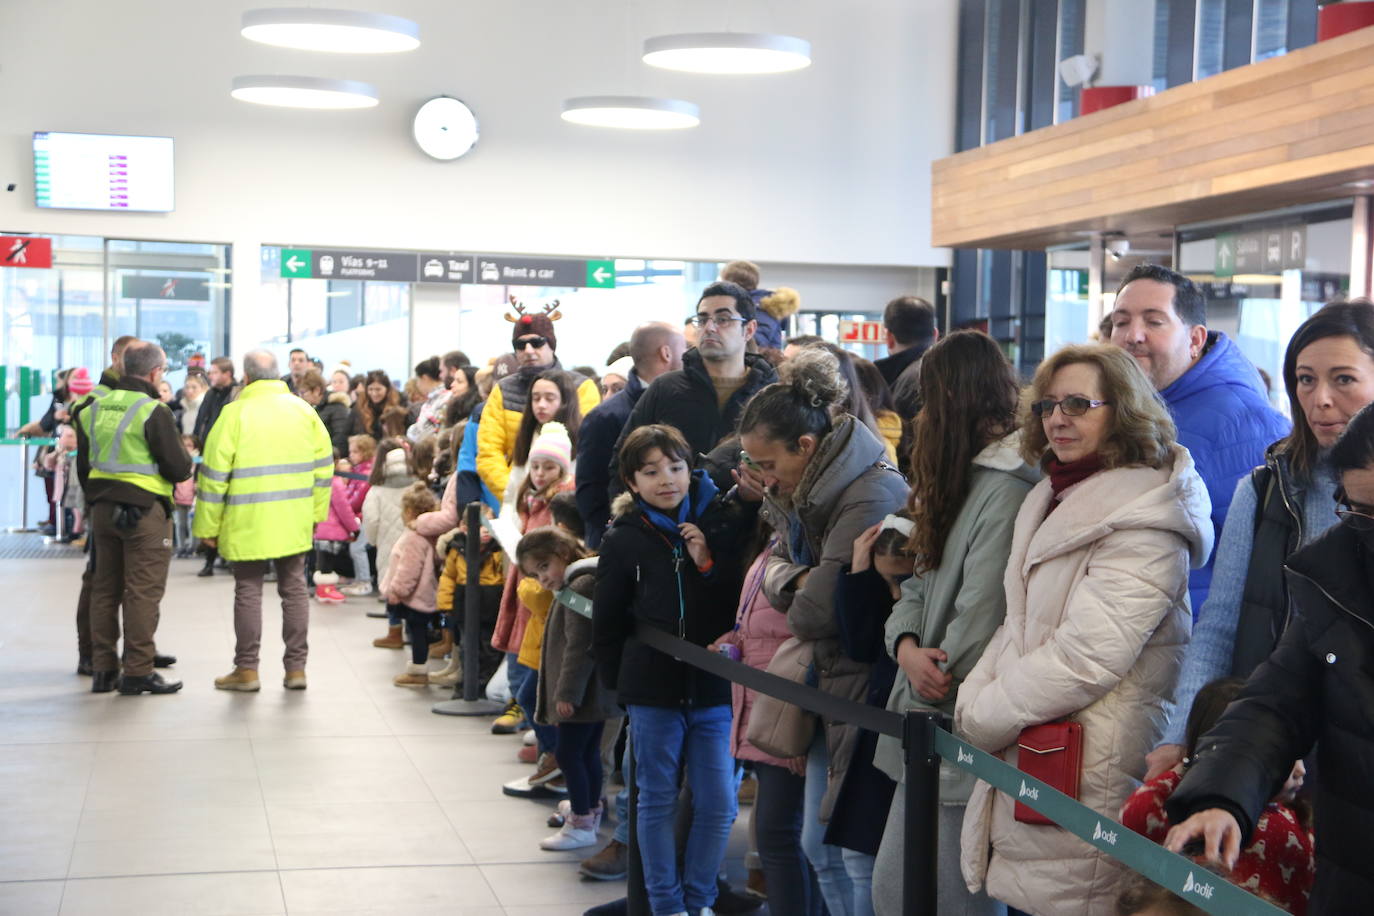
(577,833)
(529,739)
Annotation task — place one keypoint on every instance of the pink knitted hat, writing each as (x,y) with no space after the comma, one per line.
(553,444)
(79,382)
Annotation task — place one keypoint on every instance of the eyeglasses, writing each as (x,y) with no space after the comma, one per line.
(1071,406)
(1362,522)
(720,320)
(535,343)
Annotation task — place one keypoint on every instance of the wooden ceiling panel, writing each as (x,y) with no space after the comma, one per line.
(1289,130)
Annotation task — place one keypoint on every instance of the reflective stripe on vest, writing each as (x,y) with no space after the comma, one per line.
(266,470)
(267,496)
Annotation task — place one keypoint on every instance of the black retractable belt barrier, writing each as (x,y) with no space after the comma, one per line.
(470,704)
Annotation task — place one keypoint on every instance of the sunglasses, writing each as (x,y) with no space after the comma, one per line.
(1072,406)
(534,343)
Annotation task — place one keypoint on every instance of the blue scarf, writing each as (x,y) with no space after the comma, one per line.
(700,492)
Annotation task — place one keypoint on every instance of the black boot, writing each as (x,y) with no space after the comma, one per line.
(730,901)
(83,666)
(148,683)
(164,661)
(103,681)
(208,569)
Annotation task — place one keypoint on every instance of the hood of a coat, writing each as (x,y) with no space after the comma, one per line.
(340,397)
(1005,455)
(1172,498)
(1222,366)
(578,569)
(1333,566)
(396,470)
(846,452)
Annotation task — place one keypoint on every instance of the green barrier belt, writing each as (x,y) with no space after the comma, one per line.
(22,441)
(1205,889)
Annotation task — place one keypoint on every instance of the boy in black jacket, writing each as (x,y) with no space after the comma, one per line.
(671,561)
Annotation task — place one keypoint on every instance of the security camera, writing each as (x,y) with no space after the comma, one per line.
(1118,248)
(1078,70)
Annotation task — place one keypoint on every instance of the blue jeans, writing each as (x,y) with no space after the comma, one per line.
(527,696)
(845,876)
(664,741)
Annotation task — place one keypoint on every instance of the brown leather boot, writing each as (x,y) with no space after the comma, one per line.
(394,639)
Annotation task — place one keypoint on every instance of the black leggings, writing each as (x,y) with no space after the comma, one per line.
(579,757)
(778,824)
(418,622)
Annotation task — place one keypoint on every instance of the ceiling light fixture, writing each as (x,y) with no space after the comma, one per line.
(303,92)
(728,52)
(631,112)
(336,31)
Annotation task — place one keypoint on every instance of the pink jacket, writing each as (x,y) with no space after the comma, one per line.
(357,489)
(760,631)
(342,521)
(184,493)
(410,577)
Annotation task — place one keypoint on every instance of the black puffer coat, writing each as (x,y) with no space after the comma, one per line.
(640,583)
(1316,689)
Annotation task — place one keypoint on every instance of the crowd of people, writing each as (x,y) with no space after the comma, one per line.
(920,533)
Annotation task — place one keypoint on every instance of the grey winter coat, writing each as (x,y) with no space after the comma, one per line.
(567,671)
(957,606)
(382,508)
(847,488)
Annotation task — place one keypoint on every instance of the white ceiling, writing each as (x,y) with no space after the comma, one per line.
(829,164)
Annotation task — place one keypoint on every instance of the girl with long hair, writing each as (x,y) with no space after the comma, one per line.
(378,395)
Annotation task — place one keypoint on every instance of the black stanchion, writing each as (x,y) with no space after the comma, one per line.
(470,705)
(921,828)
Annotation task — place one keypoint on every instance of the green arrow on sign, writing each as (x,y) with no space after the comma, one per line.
(601,274)
(295,263)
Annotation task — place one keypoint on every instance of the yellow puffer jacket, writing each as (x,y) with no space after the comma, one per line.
(455,576)
(500,424)
(266,477)
(538,599)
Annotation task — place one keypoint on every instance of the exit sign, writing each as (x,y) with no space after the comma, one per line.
(865,332)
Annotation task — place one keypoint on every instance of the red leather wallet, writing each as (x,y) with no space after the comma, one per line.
(1053,754)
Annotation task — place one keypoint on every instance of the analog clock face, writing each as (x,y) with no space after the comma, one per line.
(445,128)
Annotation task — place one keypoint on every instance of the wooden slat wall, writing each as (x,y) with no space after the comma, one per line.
(1288,130)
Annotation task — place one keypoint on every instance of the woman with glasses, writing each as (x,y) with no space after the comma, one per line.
(1097,619)
(1315,690)
(1283,505)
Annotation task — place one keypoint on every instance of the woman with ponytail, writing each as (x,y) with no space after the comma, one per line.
(828,481)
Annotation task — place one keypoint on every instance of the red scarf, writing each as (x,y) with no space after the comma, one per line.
(1065,475)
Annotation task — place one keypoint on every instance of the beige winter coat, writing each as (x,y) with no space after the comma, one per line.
(1097,621)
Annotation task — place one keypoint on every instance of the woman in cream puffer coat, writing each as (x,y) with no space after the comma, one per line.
(1097,621)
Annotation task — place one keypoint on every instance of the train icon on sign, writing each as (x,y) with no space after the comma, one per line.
(326,264)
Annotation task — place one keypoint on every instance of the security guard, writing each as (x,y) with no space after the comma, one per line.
(129,454)
(264,484)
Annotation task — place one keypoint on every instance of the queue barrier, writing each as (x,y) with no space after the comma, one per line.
(24,443)
(926,742)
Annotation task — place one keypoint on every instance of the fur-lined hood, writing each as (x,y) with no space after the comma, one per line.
(622,504)
(340,397)
(782,303)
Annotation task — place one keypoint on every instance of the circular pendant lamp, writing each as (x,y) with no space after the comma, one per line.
(728,52)
(303,92)
(337,31)
(631,112)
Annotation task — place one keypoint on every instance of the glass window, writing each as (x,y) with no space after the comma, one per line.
(1271,31)
(1159,71)
(1211,38)
(1071,13)
(385,302)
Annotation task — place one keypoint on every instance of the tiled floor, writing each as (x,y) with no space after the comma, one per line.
(349,797)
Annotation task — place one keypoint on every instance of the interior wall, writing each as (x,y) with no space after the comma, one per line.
(829,165)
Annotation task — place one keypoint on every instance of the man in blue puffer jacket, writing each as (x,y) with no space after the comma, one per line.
(1214,392)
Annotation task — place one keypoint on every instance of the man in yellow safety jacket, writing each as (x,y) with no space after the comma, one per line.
(129,454)
(264,483)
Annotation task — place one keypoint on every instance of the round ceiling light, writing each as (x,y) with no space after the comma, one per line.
(631,112)
(728,52)
(303,92)
(339,31)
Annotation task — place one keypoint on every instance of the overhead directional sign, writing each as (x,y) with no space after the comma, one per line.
(445,267)
(25,251)
(1226,255)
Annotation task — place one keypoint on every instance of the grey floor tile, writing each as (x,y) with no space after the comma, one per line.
(226,894)
(31,898)
(547,885)
(395,890)
(365,834)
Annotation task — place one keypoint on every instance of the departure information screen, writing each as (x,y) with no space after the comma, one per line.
(103,172)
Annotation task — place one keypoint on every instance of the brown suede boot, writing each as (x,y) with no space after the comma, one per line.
(394,639)
(444,646)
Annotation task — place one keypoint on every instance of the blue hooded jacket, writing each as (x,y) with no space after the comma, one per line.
(1224,419)
(769,333)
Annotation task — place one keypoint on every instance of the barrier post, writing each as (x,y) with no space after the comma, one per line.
(4,400)
(470,704)
(921,829)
